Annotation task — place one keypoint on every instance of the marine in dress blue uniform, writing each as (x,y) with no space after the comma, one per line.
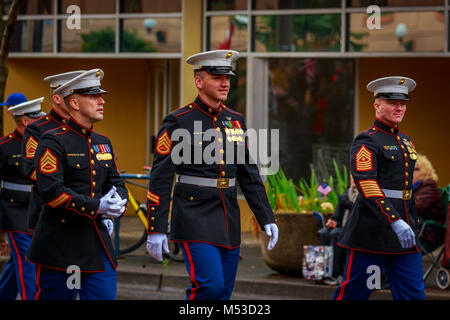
(18,275)
(78,180)
(382,228)
(57,117)
(205,216)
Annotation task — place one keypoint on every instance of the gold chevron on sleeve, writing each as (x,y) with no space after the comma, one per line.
(48,162)
(30,148)
(363,159)
(164,144)
(152,197)
(370,188)
(59,200)
(33,176)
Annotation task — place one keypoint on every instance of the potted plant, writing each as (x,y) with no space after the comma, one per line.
(293,207)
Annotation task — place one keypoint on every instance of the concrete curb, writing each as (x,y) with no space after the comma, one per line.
(276,289)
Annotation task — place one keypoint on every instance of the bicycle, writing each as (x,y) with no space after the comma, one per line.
(126,243)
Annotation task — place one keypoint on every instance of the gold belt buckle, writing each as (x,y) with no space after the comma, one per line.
(406,194)
(223,183)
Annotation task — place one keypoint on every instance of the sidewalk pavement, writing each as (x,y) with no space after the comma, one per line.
(254,279)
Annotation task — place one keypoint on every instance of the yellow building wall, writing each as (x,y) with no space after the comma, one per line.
(427,116)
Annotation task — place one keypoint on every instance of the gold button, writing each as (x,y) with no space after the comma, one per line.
(92,213)
(152,208)
(190,106)
(92,161)
(406,183)
(92,150)
(17,164)
(405,155)
(64,120)
(406,173)
(406,164)
(93,183)
(107,165)
(220,139)
(418,220)
(10,136)
(73,204)
(218,128)
(214,119)
(388,208)
(392,216)
(83,209)
(392,130)
(223,173)
(94,173)
(89,140)
(78,165)
(47,118)
(11,200)
(84,131)
(403,147)
(221,151)
(152,228)
(63,221)
(210,110)
(222,162)
(92,194)
(382,201)
(191,198)
(398,138)
(64,129)
(152,218)
(374,129)
(393,157)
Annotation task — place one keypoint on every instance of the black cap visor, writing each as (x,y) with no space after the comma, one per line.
(217,70)
(90,90)
(392,96)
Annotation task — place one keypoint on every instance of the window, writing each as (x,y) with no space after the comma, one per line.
(228,32)
(151,35)
(400,31)
(153,6)
(33,36)
(89,7)
(95,35)
(226,5)
(311,103)
(295,4)
(318,32)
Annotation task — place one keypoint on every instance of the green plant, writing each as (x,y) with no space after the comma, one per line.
(281,193)
(342,183)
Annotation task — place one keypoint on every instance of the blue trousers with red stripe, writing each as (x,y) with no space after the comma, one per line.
(19,275)
(54,284)
(362,271)
(212,270)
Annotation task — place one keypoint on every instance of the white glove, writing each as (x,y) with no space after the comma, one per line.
(107,202)
(109,225)
(404,233)
(272,231)
(155,243)
(111,204)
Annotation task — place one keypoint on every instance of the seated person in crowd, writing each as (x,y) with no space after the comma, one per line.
(329,235)
(428,200)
